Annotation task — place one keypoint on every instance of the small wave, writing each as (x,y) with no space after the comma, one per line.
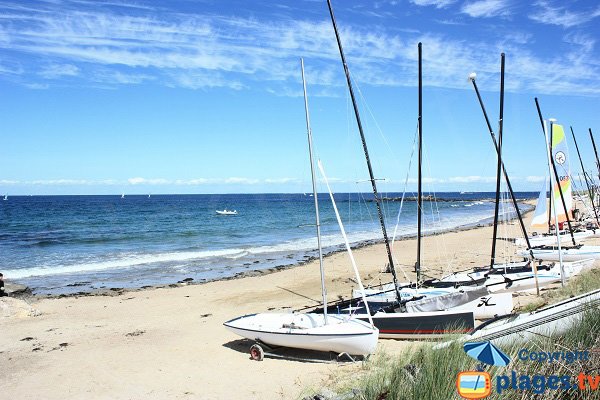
(121,262)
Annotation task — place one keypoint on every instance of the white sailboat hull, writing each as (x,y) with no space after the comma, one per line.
(552,320)
(584,252)
(443,299)
(308,331)
(551,240)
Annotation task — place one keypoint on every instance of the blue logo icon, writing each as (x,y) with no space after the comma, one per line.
(487,353)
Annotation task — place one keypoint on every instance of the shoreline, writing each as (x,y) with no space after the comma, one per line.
(159,343)
(115,291)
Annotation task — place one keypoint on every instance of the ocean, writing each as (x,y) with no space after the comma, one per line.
(71,244)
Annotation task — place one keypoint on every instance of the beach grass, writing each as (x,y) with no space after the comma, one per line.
(424,372)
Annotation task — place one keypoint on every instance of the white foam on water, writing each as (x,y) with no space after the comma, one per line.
(120,262)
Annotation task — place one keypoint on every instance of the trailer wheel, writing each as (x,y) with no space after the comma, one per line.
(256,353)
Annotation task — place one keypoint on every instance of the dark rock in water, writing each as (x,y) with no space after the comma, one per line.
(115,289)
(16,290)
(188,279)
(79,284)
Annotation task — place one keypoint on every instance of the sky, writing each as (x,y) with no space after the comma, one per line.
(205,96)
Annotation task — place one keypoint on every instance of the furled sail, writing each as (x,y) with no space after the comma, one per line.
(540,218)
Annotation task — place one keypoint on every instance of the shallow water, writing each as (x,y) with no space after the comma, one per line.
(67,244)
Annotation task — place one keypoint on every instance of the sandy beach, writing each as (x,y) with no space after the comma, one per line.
(170,342)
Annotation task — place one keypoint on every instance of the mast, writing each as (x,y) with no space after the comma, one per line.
(550,199)
(587,183)
(499,170)
(420,188)
(562,197)
(595,152)
(512,193)
(314,187)
(366,151)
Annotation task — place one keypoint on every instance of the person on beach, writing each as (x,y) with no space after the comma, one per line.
(2,292)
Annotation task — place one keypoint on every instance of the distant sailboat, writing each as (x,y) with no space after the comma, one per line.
(123,195)
(5,197)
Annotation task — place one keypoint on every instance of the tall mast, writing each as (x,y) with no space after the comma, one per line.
(510,189)
(366,151)
(595,152)
(420,188)
(499,170)
(550,198)
(314,187)
(557,179)
(587,183)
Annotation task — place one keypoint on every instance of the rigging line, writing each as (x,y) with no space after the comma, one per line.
(379,130)
(412,152)
(402,199)
(433,203)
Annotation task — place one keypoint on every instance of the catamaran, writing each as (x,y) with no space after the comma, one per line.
(560,194)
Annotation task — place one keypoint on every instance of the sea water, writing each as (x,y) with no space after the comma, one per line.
(70,244)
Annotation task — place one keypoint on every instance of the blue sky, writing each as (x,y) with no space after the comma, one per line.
(205,96)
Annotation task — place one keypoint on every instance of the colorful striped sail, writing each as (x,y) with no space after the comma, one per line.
(560,153)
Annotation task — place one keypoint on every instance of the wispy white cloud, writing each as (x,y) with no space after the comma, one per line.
(585,42)
(144,181)
(203,51)
(59,70)
(486,8)
(535,179)
(436,3)
(546,13)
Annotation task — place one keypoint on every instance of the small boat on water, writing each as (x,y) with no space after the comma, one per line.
(226,212)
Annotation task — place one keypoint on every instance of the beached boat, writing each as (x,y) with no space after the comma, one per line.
(552,253)
(552,320)
(310,331)
(226,212)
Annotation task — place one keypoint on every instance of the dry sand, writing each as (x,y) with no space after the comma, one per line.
(170,342)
